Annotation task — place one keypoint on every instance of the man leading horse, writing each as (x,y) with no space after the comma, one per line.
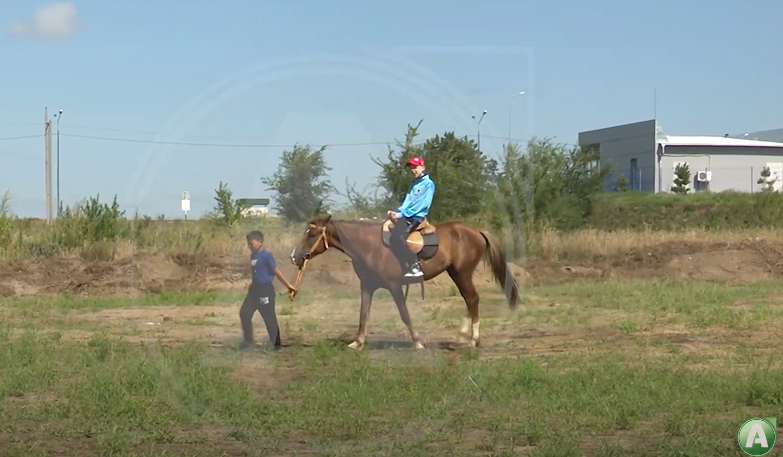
(409,215)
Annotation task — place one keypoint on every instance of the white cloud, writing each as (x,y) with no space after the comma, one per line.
(55,21)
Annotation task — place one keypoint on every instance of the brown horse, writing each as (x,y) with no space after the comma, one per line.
(458,252)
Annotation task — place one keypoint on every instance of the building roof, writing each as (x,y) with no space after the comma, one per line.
(775,135)
(720,141)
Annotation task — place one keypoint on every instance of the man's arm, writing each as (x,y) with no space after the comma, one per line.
(406,202)
(422,202)
(281,278)
(278,274)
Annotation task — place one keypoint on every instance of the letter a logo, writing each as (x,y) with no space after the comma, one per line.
(757,436)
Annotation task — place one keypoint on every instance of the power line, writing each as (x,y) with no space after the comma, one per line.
(8,138)
(220,145)
(241,145)
(233,145)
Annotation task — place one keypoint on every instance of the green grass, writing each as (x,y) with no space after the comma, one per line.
(113,398)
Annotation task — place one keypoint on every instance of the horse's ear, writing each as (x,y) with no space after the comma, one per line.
(325,219)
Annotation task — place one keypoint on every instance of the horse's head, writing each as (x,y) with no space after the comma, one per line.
(314,240)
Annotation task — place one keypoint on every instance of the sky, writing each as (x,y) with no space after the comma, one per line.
(161,97)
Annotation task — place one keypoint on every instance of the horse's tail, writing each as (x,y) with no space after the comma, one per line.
(500,270)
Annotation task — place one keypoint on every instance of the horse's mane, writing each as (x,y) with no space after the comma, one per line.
(350,222)
(365,222)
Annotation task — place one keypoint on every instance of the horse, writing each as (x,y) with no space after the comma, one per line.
(448,246)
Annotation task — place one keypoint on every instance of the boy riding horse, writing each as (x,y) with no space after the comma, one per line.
(410,214)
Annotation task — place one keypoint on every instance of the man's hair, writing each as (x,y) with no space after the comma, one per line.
(255,235)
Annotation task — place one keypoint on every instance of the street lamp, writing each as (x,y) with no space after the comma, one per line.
(59,115)
(509,114)
(479,129)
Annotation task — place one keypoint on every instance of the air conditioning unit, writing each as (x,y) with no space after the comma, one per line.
(704,176)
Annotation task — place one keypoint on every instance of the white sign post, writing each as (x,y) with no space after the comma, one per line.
(185,203)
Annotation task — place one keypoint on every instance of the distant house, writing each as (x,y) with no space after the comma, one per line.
(255,206)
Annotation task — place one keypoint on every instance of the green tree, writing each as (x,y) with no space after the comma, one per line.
(227,210)
(549,182)
(462,174)
(6,220)
(682,179)
(365,204)
(621,184)
(767,184)
(300,184)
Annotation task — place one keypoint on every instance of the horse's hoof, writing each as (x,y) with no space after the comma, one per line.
(473,343)
(420,345)
(355,345)
(463,338)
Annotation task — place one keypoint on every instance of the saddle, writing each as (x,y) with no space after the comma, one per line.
(423,240)
(425,228)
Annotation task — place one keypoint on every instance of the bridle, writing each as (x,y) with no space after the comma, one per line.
(321,237)
(309,255)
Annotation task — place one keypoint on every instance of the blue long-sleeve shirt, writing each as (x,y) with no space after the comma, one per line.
(419,198)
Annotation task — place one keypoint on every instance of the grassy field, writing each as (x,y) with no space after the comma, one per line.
(658,367)
(632,342)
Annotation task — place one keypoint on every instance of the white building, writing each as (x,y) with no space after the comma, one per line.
(648,157)
(255,206)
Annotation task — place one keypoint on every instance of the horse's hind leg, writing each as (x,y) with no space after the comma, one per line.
(470,328)
(402,307)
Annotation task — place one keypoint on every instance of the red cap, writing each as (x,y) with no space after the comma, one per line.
(416,161)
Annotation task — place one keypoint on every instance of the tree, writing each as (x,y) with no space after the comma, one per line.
(767,184)
(621,184)
(462,174)
(227,210)
(6,220)
(365,204)
(682,179)
(549,182)
(300,186)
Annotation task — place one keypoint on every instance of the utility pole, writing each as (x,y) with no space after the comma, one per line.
(59,202)
(48,160)
(478,139)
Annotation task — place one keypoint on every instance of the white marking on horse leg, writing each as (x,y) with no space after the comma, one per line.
(419,345)
(464,332)
(474,339)
(355,345)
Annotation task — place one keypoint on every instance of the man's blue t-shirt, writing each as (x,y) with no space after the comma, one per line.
(262,263)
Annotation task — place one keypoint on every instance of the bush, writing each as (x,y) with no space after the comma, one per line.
(671,212)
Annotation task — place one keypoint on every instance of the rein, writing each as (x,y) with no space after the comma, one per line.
(300,272)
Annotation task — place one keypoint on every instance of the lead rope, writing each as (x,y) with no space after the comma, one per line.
(299,275)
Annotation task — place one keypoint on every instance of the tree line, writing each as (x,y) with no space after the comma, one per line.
(545,181)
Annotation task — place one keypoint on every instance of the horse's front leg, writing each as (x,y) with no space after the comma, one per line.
(402,307)
(367,291)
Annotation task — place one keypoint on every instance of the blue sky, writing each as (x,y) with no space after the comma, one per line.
(267,73)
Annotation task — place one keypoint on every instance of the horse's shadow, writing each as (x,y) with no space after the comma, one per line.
(383,344)
(386,344)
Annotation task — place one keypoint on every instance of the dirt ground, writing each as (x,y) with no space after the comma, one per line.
(150,273)
(437,318)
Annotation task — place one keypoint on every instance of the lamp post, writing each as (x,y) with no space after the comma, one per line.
(59,116)
(479,129)
(509,114)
